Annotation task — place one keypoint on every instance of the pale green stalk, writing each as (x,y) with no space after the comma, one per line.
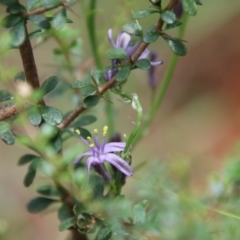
(163,88)
(91,26)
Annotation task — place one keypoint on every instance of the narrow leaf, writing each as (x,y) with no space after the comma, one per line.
(123,74)
(67,223)
(38,204)
(90,101)
(143,13)
(18,34)
(50,83)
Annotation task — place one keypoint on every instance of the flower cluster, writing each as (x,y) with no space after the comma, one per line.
(101,152)
(123,41)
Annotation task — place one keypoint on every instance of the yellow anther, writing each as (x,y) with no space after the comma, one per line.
(105,128)
(77,131)
(92,145)
(95,131)
(89,139)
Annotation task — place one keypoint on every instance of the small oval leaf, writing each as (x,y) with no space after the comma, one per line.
(38,204)
(143,64)
(50,83)
(90,101)
(143,13)
(51,115)
(117,53)
(123,74)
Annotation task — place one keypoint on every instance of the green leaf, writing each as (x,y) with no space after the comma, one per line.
(35,33)
(15,8)
(123,74)
(86,91)
(8,2)
(18,34)
(150,37)
(30,3)
(83,121)
(177,46)
(27,158)
(143,13)
(34,116)
(52,3)
(19,76)
(32,170)
(57,142)
(168,17)
(48,190)
(38,204)
(60,19)
(190,7)
(11,20)
(143,64)
(117,53)
(67,223)
(5,95)
(133,29)
(64,212)
(41,21)
(6,133)
(139,211)
(198,2)
(90,101)
(81,84)
(51,115)
(49,84)
(104,233)
(134,40)
(173,25)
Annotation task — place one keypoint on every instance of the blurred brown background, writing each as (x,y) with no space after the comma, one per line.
(198,120)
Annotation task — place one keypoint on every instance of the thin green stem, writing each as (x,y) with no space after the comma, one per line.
(91,26)
(163,88)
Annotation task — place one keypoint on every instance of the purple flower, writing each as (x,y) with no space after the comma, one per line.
(178,10)
(123,41)
(101,152)
(152,71)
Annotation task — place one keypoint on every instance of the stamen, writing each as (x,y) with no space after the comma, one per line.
(105,129)
(77,131)
(89,139)
(95,131)
(92,145)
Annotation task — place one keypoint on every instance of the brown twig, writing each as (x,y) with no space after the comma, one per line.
(40,10)
(109,84)
(68,200)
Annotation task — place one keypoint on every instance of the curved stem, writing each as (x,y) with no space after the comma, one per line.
(94,46)
(163,88)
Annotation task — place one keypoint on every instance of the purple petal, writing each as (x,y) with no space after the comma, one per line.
(123,40)
(144,54)
(130,50)
(119,163)
(91,161)
(110,38)
(156,63)
(88,153)
(101,171)
(114,147)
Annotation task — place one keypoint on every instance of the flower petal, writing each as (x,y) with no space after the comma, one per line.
(130,50)
(88,153)
(110,38)
(119,163)
(90,162)
(123,40)
(156,63)
(114,147)
(144,54)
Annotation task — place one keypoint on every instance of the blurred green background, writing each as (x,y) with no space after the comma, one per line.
(197,127)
